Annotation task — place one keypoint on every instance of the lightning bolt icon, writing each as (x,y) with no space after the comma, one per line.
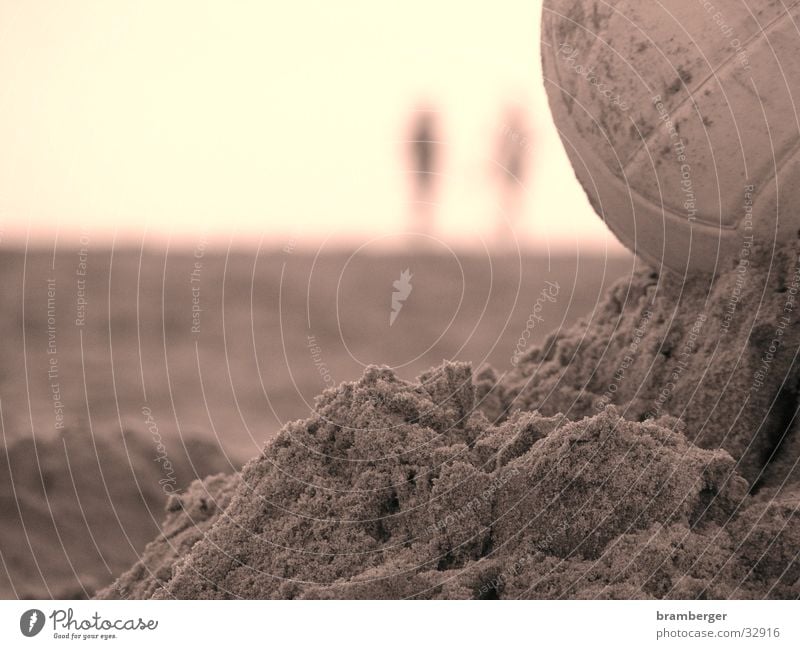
(32,621)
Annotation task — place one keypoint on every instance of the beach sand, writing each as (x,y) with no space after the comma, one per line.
(648,451)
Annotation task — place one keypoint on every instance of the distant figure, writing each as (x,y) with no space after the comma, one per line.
(513,149)
(423,159)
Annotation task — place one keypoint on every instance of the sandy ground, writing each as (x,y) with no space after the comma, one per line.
(252,367)
(648,451)
(114,392)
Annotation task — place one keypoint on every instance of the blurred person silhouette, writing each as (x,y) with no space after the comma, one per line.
(423,154)
(511,166)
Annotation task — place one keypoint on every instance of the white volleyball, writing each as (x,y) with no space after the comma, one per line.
(681,120)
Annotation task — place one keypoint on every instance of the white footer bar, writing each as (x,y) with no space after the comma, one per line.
(386,625)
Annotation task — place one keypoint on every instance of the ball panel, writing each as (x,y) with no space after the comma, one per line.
(729,130)
(636,50)
(736,133)
(655,233)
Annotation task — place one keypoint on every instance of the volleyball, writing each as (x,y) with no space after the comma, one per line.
(681,121)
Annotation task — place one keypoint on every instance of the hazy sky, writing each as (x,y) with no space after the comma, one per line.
(163,119)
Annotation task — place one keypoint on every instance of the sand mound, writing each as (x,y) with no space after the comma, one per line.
(647,452)
(720,355)
(77,510)
(189,516)
(436,502)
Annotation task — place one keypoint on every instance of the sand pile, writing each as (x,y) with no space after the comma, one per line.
(649,451)
(720,355)
(77,511)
